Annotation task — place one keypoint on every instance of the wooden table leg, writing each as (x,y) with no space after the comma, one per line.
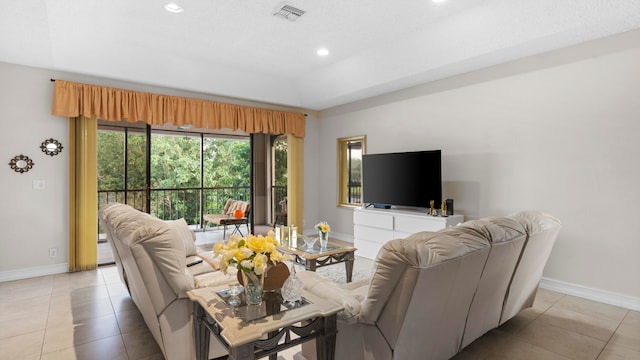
(241,352)
(348,264)
(326,343)
(200,332)
(310,265)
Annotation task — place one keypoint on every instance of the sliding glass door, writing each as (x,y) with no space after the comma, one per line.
(170,174)
(123,169)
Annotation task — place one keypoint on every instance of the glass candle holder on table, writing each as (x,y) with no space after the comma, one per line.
(309,241)
(234,292)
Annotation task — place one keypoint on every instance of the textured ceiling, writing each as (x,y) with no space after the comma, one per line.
(236,48)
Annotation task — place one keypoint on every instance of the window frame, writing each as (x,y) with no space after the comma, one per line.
(344,165)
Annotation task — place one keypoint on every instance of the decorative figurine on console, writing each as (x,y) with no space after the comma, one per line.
(432,209)
(443,209)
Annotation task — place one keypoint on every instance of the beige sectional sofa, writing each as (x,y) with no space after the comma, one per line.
(152,256)
(434,293)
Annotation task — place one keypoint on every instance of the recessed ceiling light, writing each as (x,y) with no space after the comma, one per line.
(174,8)
(323,52)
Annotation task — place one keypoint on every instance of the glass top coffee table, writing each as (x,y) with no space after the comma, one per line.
(317,256)
(255,331)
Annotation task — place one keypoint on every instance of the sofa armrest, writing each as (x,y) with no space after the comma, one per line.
(216,278)
(327,289)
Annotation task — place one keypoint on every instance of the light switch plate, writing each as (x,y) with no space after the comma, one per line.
(38,184)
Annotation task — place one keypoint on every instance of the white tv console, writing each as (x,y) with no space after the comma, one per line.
(373,227)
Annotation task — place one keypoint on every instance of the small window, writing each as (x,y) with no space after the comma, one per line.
(350,151)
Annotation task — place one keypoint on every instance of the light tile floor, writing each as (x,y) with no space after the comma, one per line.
(89,315)
(564,327)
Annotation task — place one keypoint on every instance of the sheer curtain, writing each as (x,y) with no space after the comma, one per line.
(83,104)
(295,181)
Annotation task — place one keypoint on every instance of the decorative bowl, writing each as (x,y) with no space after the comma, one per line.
(309,241)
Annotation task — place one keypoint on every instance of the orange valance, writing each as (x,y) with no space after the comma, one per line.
(74,99)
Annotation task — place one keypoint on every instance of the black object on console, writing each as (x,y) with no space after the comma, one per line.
(449,203)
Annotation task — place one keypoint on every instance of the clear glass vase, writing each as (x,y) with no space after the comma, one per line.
(324,239)
(253,286)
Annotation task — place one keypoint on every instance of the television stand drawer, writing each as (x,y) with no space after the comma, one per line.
(374,227)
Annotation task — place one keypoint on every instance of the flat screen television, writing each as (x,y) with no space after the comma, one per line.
(402,179)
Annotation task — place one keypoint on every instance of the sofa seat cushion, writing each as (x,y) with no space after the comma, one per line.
(215,278)
(210,258)
(200,266)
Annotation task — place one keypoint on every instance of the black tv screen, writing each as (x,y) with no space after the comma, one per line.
(409,179)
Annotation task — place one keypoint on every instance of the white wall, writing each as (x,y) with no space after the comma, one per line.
(557,132)
(33,221)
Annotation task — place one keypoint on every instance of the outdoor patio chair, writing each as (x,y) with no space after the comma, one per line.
(227,218)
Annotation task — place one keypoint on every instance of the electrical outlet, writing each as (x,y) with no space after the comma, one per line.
(53,252)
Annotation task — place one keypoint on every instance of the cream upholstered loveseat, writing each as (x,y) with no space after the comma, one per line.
(152,256)
(433,293)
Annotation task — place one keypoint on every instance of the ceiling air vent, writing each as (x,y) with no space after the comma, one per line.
(289,12)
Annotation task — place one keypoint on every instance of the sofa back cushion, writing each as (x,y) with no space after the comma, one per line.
(122,221)
(160,254)
(119,222)
(424,284)
(507,236)
(153,251)
(542,230)
(187,235)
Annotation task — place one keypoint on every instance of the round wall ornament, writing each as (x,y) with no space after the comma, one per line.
(21,163)
(51,147)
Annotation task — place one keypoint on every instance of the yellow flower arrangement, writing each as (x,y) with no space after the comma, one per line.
(323,227)
(252,254)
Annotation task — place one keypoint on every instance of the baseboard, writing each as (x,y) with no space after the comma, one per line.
(602,296)
(33,272)
(342,237)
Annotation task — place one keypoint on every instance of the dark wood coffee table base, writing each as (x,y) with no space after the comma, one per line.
(313,263)
(210,317)
(318,256)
